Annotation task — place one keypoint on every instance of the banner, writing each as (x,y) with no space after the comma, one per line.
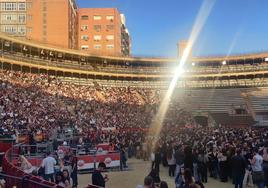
(86,162)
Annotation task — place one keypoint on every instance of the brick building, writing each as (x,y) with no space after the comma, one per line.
(52,22)
(102,31)
(13,17)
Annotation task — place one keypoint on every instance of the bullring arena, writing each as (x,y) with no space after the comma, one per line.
(92,109)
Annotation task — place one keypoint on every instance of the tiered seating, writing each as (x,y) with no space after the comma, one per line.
(233,120)
(211,100)
(259,99)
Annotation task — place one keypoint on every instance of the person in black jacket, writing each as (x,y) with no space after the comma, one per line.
(97,178)
(157,160)
(238,168)
(179,156)
(188,160)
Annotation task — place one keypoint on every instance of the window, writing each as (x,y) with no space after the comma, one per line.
(84,17)
(84,27)
(29,29)
(22,18)
(97,17)
(8,18)
(29,17)
(111,18)
(22,6)
(22,30)
(110,37)
(110,46)
(97,37)
(97,46)
(84,47)
(9,6)
(109,27)
(10,29)
(29,5)
(97,28)
(84,37)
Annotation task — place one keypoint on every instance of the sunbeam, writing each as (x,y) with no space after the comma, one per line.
(200,21)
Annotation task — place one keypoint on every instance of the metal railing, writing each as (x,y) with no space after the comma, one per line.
(14,176)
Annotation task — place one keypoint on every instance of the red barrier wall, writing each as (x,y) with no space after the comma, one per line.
(21,179)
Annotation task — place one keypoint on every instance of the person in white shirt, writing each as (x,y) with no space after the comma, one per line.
(48,164)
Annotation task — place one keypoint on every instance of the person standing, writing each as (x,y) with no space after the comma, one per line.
(189,159)
(202,166)
(265,165)
(171,162)
(179,156)
(223,165)
(257,171)
(48,164)
(97,178)
(123,158)
(157,159)
(74,171)
(238,169)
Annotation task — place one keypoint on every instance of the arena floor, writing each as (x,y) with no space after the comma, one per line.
(135,176)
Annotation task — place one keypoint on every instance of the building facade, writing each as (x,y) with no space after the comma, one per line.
(125,38)
(13,17)
(51,22)
(102,31)
(99,31)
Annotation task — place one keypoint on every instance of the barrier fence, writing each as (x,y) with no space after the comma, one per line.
(16,177)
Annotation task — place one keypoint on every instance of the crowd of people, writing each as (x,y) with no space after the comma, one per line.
(227,154)
(57,168)
(37,104)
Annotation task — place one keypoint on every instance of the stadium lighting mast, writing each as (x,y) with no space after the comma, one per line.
(157,122)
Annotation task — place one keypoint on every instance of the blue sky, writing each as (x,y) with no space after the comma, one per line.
(234,26)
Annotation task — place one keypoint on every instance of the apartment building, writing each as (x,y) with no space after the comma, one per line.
(51,22)
(99,31)
(102,31)
(13,17)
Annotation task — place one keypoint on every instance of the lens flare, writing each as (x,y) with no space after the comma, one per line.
(200,21)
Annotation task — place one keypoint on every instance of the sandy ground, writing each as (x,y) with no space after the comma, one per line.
(135,176)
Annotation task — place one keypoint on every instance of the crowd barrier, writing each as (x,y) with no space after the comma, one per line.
(16,177)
